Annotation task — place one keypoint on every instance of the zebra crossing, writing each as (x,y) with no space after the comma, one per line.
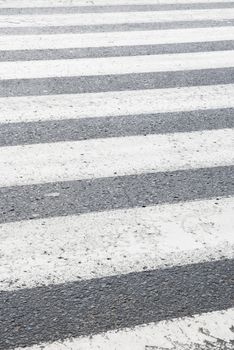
(116,174)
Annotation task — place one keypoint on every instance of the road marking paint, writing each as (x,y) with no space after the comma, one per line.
(109,39)
(97,158)
(11,21)
(94,245)
(117,103)
(116,65)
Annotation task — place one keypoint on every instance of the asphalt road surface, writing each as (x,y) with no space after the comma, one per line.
(117,174)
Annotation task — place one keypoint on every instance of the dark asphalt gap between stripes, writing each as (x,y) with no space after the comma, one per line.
(114,27)
(120,192)
(113,8)
(58,312)
(115,51)
(120,82)
(13,134)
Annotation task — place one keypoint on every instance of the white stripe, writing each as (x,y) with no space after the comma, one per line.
(206,331)
(151,37)
(57,107)
(60,3)
(116,65)
(114,18)
(41,163)
(57,250)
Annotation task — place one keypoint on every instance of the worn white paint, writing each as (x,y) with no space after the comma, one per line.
(62,249)
(187,333)
(87,159)
(60,3)
(108,39)
(116,65)
(117,103)
(114,18)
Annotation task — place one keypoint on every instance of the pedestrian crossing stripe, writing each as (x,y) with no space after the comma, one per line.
(116,65)
(80,160)
(114,18)
(95,245)
(115,103)
(116,39)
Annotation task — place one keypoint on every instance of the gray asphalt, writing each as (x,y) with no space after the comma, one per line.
(77,197)
(30,55)
(89,128)
(123,82)
(114,27)
(56,312)
(46,314)
(116,8)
